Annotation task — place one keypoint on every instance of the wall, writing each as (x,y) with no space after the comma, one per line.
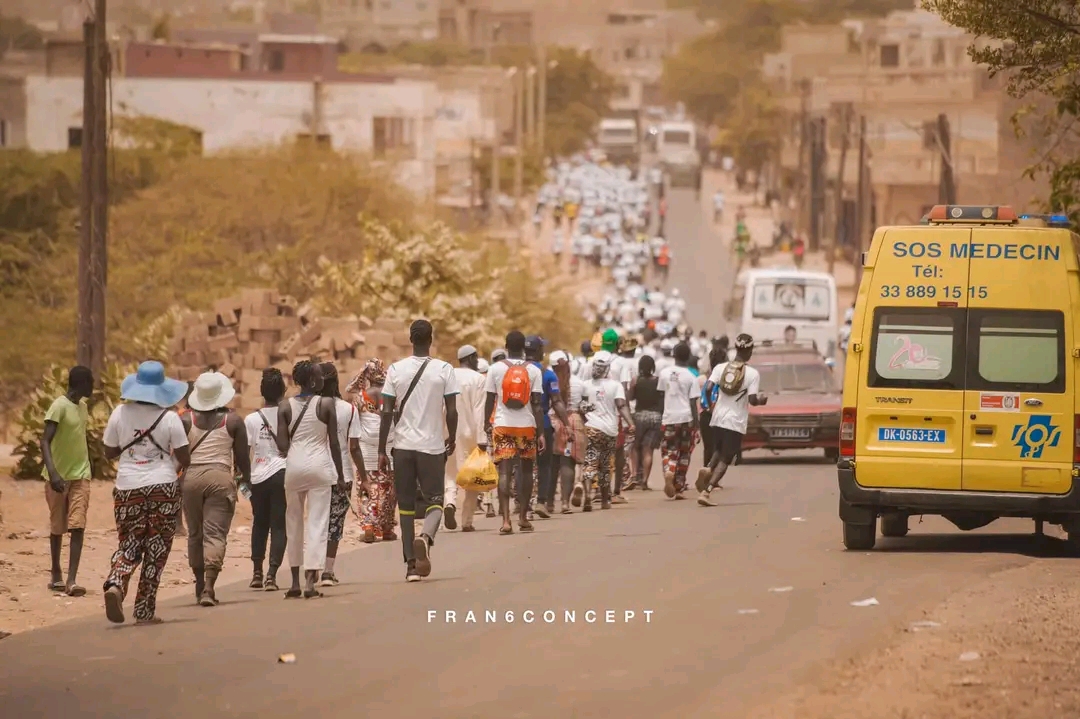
(161,60)
(248,113)
(13,112)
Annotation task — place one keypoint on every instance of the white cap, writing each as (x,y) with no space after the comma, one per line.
(602,357)
(482,366)
(558,356)
(466,351)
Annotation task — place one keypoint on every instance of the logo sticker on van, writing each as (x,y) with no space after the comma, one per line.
(1036,435)
(999,402)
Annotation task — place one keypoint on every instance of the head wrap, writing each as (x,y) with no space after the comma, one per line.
(374,372)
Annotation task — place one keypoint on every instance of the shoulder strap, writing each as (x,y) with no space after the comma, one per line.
(408,393)
(266,423)
(146,434)
(205,433)
(303,411)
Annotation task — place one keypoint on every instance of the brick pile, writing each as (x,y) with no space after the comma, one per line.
(257,329)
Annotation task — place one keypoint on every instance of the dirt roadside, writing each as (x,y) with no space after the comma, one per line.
(1007,648)
(25,600)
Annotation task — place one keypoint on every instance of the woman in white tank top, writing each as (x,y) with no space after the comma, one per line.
(308,437)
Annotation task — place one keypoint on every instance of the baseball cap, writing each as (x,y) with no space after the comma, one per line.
(466,351)
(534,343)
(558,356)
(602,358)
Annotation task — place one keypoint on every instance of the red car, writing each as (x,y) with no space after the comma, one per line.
(803,411)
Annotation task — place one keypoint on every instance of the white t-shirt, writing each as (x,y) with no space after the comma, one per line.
(577,387)
(144,464)
(266,460)
(348,424)
(679,386)
(504,416)
(601,394)
(422,425)
(734,412)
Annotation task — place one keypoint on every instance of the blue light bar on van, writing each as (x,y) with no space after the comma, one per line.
(1057,220)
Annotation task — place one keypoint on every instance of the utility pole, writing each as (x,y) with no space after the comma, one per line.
(864,201)
(99,260)
(804,146)
(84,352)
(845,140)
(541,112)
(316,111)
(817,181)
(519,132)
(530,106)
(94,210)
(947,182)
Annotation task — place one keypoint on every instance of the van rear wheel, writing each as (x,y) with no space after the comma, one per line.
(894,524)
(860,536)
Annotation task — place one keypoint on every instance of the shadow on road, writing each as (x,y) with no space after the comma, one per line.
(1025,545)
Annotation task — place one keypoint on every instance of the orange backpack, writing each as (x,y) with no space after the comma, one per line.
(516,390)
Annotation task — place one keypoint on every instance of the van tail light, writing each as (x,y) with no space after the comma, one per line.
(847,432)
(1076,438)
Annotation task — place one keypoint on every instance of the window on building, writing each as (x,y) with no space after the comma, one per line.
(393,136)
(622,92)
(276,61)
(323,140)
(938,55)
(74,137)
(890,55)
(3,133)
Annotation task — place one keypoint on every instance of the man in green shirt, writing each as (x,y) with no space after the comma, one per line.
(67,474)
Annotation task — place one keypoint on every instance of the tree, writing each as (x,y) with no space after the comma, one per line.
(578,96)
(1035,44)
(17,34)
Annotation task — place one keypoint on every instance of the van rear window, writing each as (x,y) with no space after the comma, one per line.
(916,348)
(1016,351)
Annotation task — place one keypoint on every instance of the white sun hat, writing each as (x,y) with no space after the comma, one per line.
(213,390)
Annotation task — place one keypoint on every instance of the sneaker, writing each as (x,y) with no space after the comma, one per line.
(490,512)
(579,492)
(705,500)
(468,528)
(411,575)
(541,511)
(422,550)
(604,504)
(619,499)
(270,585)
(450,516)
(587,507)
(329,579)
(669,484)
(702,481)
(114,605)
(256,580)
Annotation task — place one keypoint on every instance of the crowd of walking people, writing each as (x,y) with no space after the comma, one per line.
(582,428)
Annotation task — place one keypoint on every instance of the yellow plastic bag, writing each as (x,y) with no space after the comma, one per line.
(478,473)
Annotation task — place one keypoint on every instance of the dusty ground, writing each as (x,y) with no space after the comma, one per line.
(25,600)
(1006,648)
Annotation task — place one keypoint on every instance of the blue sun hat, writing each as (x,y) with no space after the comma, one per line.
(149,384)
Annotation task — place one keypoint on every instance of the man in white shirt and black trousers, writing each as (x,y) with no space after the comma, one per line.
(419,391)
(740,386)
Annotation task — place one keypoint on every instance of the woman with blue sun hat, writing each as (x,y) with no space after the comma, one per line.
(147,438)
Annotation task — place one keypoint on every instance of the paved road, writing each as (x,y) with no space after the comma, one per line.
(368,649)
(362,650)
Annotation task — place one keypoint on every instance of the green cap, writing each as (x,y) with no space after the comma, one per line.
(610,340)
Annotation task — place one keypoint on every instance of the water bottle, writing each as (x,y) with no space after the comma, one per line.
(245,489)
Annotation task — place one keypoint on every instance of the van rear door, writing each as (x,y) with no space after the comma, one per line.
(911,400)
(1018,419)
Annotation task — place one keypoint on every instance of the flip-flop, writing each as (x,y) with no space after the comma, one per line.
(312,594)
(506,530)
(57,587)
(525,527)
(293,594)
(76,591)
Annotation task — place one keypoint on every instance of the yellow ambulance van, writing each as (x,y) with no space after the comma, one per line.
(960,382)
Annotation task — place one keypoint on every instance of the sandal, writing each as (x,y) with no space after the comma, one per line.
(506,530)
(57,587)
(369,536)
(525,526)
(293,594)
(76,591)
(312,594)
(389,537)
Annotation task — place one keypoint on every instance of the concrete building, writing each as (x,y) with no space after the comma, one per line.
(899,72)
(383,22)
